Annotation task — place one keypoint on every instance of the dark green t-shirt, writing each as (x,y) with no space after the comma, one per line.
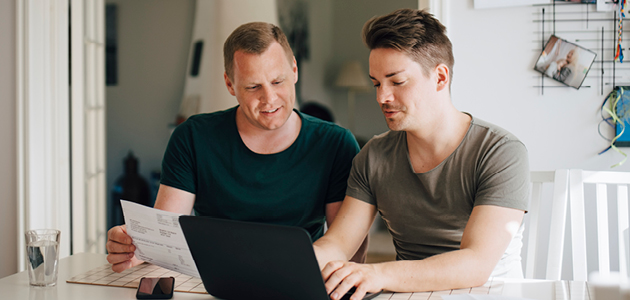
(206,156)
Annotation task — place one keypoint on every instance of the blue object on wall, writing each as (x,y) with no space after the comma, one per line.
(623,112)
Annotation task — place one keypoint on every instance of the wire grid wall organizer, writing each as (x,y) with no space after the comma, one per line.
(582,24)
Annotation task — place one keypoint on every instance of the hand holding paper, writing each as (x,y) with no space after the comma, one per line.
(158,238)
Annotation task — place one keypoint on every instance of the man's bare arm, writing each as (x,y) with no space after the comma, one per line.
(174,200)
(486,236)
(347,233)
(331,212)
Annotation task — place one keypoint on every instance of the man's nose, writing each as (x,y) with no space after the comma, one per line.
(384,95)
(269,95)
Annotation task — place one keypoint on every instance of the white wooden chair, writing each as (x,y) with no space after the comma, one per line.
(601,180)
(533,221)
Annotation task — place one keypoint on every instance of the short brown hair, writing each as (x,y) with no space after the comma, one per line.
(415,32)
(254,37)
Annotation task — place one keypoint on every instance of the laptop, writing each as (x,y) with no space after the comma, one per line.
(245,260)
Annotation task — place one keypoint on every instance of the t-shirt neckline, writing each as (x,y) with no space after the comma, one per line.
(287,150)
(406,149)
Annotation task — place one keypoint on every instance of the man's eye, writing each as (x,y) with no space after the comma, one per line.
(377,84)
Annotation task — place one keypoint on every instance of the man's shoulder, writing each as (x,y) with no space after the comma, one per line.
(485,137)
(216,116)
(384,147)
(317,122)
(313,125)
(483,129)
(386,140)
(208,121)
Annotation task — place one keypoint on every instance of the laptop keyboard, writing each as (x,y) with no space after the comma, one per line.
(353,289)
(349,294)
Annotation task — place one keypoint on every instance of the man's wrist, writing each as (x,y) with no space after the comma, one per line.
(381,272)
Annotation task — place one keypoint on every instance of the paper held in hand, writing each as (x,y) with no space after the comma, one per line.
(158,238)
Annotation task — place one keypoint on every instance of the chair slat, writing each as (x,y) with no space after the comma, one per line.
(557,225)
(578,226)
(622,208)
(533,220)
(601,192)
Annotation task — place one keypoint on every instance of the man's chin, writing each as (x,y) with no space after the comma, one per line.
(272,126)
(394,126)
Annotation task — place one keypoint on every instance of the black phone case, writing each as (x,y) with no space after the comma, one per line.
(155,296)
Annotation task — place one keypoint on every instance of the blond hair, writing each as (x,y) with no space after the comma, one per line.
(255,38)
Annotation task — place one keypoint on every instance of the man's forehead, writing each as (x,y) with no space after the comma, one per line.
(390,60)
(240,56)
(273,45)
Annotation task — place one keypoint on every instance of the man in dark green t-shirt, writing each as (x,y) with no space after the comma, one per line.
(260,161)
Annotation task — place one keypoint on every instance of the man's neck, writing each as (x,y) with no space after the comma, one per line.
(264,141)
(437,139)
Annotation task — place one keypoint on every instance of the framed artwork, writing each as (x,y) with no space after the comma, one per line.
(111,45)
(565,62)
(293,19)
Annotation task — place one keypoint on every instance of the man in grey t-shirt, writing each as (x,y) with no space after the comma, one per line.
(451,188)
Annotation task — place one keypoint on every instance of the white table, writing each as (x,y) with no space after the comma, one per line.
(16,286)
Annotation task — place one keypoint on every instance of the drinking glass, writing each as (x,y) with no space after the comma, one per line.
(42,251)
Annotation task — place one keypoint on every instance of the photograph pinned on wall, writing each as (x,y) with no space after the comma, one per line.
(606,5)
(565,62)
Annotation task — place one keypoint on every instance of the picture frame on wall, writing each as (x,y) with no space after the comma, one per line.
(111,44)
(565,62)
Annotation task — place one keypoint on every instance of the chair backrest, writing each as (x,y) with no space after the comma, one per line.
(601,180)
(560,181)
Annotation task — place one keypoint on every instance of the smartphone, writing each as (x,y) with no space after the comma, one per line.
(156,288)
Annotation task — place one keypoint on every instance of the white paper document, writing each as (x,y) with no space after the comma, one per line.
(158,238)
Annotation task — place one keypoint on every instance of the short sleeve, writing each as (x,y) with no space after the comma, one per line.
(504,177)
(178,164)
(358,181)
(348,148)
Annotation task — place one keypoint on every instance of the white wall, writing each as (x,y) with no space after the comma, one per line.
(153,44)
(8,157)
(494,80)
(495,51)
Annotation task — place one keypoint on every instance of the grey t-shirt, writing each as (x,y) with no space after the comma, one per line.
(426,213)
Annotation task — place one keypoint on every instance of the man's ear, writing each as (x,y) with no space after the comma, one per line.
(295,70)
(443,76)
(228,84)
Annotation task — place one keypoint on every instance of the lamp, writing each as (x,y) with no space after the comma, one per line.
(352,77)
